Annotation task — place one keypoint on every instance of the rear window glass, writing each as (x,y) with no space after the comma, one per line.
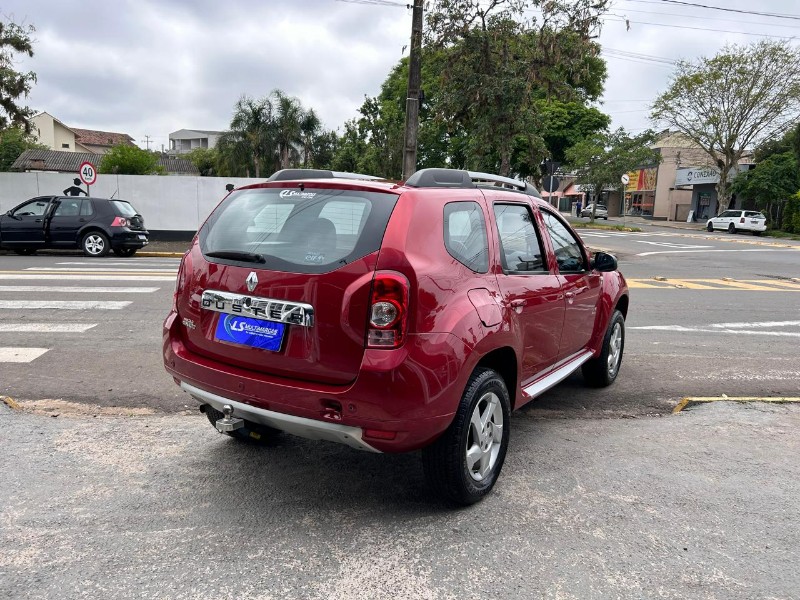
(313,231)
(751,213)
(123,208)
(465,235)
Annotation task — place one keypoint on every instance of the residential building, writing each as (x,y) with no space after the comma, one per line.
(59,137)
(68,162)
(186,140)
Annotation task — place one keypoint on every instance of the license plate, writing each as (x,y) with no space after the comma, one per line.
(246,331)
(142,237)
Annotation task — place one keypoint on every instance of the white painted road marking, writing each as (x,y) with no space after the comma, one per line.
(83,277)
(57,289)
(112,270)
(20,355)
(671,244)
(744,328)
(46,327)
(703,251)
(94,263)
(62,304)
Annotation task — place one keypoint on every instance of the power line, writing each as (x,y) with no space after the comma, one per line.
(623,20)
(735,10)
(376,3)
(703,17)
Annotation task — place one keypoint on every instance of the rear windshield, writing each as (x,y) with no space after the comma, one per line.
(124,209)
(311,231)
(750,213)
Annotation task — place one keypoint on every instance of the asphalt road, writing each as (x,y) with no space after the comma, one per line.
(129,493)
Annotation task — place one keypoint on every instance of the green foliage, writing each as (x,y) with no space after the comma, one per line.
(728,103)
(15,39)
(772,184)
(130,160)
(13,142)
(600,160)
(205,159)
(499,67)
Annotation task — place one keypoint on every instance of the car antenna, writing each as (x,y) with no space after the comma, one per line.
(114,194)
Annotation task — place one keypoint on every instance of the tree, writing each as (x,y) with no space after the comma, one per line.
(771,184)
(252,132)
(600,161)
(13,84)
(310,127)
(205,159)
(13,142)
(287,127)
(500,64)
(130,160)
(728,103)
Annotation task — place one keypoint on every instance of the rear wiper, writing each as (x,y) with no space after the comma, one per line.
(237,255)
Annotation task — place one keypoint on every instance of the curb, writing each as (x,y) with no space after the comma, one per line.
(10,402)
(692,400)
(160,254)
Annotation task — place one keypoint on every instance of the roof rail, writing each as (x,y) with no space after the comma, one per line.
(295,174)
(455,178)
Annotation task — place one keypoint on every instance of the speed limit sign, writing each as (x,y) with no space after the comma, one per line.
(88,173)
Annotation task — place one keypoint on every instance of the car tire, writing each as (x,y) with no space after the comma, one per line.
(125,252)
(95,243)
(710,228)
(732,229)
(478,435)
(253,433)
(756,233)
(606,218)
(603,370)
(25,251)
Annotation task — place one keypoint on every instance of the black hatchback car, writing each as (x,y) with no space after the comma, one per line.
(96,225)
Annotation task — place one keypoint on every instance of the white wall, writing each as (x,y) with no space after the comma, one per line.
(172,203)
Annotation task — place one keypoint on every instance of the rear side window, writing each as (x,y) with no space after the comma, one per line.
(520,247)
(465,235)
(123,209)
(310,231)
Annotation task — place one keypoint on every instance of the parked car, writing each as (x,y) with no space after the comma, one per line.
(734,221)
(600,213)
(391,318)
(96,225)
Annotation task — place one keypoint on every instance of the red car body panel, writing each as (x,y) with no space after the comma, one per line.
(456,319)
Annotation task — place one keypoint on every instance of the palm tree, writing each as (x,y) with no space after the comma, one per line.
(252,130)
(309,129)
(288,117)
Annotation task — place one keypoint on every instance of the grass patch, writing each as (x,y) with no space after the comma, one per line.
(777,233)
(597,225)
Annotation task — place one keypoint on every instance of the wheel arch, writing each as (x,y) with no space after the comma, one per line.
(504,361)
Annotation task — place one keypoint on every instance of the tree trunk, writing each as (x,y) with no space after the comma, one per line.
(256,166)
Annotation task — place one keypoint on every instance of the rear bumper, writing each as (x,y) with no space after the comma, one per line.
(410,393)
(312,429)
(129,239)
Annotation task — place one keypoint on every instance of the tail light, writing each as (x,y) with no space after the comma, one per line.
(741,220)
(120,222)
(178,284)
(388,312)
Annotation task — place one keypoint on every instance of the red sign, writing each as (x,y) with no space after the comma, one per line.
(87,173)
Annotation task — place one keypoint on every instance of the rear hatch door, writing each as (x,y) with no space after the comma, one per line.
(280,279)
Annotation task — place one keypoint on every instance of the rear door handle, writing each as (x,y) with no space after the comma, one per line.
(517,303)
(38,221)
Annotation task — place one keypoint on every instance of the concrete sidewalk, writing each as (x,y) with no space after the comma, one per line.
(638,222)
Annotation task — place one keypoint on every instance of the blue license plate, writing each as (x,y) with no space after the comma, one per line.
(256,333)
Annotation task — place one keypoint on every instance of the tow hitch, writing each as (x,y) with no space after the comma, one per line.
(229,422)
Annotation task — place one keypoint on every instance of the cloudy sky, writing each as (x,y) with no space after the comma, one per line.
(149,67)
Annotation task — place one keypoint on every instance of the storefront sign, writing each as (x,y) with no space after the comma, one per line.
(700,175)
(642,180)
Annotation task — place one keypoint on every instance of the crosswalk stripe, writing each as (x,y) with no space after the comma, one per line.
(19,275)
(63,304)
(66,289)
(46,327)
(760,285)
(20,355)
(102,270)
(120,264)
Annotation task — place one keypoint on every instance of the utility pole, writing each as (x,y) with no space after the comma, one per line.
(412,101)
(147,141)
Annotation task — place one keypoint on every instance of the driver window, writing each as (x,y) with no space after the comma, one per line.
(34,208)
(566,247)
(520,247)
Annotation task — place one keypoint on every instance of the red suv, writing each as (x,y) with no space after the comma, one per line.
(391,318)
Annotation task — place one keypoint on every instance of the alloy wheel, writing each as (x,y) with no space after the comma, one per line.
(485,436)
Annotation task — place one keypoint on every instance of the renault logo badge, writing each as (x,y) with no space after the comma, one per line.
(251,281)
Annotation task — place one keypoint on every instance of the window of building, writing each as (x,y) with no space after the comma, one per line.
(65,146)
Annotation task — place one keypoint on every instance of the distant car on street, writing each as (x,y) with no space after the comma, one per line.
(600,213)
(734,221)
(95,225)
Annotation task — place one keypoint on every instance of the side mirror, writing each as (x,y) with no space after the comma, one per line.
(605,262)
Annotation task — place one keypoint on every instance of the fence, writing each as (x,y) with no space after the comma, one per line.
(176,204)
